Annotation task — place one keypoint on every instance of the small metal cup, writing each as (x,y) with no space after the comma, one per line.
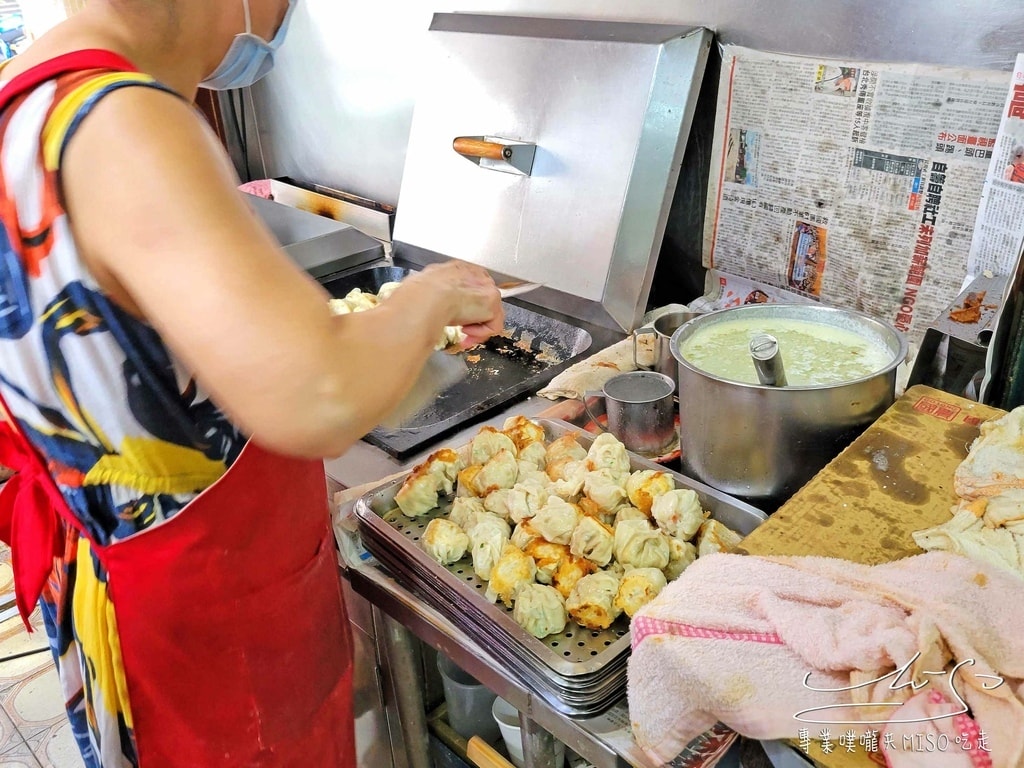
(662,328)
(640,409)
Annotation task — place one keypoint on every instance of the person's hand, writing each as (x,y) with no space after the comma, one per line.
(469,297)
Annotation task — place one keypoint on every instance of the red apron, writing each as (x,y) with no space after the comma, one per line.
(234,638)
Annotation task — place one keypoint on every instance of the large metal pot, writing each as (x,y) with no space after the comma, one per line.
(764,442)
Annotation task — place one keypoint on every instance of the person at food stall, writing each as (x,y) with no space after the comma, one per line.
(172,382)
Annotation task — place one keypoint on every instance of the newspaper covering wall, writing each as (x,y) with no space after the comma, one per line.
(999,228)
(850,183)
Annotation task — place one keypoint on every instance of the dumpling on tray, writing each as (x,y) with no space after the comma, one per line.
(638,587)
(681,555)
(593,540)
(563,450)
(570,571)
(638,545)
(646,485)
(500,471)
(540,610)
(678,513)
(592,601)
(487,539)
(444,541)
(556,520)
(466,510)
(716,537)
(488,442)
(548,557)
(513,570)
(608,452)
(524,432)
(420,490)
(605,488)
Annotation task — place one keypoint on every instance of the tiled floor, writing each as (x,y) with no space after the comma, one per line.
(34,733)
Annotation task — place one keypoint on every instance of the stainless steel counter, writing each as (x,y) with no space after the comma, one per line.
(605,741)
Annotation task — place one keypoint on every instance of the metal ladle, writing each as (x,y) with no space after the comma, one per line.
(764,349)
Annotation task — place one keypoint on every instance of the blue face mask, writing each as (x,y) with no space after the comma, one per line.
(249,58)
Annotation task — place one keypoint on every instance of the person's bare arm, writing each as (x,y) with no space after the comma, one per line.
(157,216)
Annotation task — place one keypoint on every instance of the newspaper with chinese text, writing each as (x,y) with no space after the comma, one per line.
(850,183)
(999,228)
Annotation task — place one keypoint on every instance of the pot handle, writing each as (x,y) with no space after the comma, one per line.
(646,330)
(586,407)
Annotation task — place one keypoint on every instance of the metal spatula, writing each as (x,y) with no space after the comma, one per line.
(516,287)
(441,371)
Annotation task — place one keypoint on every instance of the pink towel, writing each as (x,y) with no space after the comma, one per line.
(818,648)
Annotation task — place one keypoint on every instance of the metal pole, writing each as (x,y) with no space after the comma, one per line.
(407,686)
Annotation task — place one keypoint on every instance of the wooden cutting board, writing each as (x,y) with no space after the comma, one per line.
(896,478)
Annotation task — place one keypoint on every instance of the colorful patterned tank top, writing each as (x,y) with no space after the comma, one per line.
(128,435)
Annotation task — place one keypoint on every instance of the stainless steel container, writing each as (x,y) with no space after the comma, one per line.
(662,329)
(764,442)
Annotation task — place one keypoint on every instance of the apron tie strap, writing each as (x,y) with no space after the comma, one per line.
(28,520)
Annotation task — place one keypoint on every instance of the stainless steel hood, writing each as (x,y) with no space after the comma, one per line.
(571,134)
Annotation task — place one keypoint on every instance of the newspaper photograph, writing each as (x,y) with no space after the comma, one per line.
(999,228)
(854,184)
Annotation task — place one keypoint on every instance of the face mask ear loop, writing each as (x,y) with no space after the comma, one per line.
(248,19)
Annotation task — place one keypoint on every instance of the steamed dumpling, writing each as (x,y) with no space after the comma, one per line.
(386,289)
(524,432)
(556,520)
(645,485)
(466,510)
(593,540)
(638,587)
(452,336)
(487,539)
(681,555)
(569,572)
(339,307)
(639,545)
(500,471)
(716,537)
(513,570)
(569,484)
(678,513)
(534,453)
(628,512)
(562,451)
(359,300)
(592,601)
(444,541)
(488,442)
(445,465)
(528,473)
(607,452)
(604,488)
(525,499)
(540,610)
(419,492)
(466,480)
(523,535)
(496,502)
(548,557)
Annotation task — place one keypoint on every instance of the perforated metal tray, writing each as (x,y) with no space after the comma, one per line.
(578,664)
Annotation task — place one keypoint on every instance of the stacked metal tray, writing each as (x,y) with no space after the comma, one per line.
(579,672)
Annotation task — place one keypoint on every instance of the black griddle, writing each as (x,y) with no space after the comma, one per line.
(533,350)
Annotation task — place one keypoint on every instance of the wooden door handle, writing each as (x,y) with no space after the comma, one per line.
(491,150)
(483,755)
